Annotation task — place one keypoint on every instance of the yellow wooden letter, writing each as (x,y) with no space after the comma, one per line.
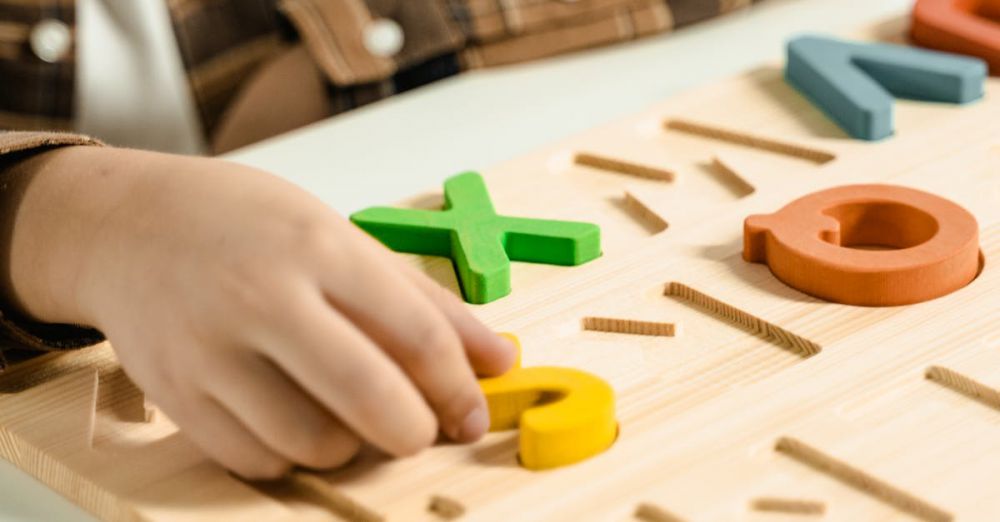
(564,415)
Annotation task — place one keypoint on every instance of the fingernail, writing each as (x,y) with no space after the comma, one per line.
(514,352)
(474,425)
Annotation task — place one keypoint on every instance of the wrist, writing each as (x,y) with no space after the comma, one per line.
(61,217)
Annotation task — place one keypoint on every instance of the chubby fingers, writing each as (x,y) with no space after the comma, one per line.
(347,373)
(419,337)
(490,354)
(280,414)
(213,428)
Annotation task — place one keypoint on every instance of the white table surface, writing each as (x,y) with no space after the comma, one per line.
(410,143)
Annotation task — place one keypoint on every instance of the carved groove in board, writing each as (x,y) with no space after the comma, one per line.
(445,507)
(726,168)
(36,371)
(57,412)
(50,422)
(966,386)
(653,221)
(148,410)
(749,140)
(788,505)
(333,499)
(119,394)
(623,167)
(861,480)
(653,513)
(744,320)
(629,326)
(116,393)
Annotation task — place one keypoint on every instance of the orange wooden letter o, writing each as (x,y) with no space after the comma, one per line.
(816,244)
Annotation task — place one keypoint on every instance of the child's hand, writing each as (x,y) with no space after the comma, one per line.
(270,329)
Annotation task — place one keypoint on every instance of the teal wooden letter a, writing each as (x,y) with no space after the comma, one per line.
(480,243)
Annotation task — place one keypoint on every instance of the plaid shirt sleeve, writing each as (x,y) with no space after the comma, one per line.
(34,93)
(20,337)
(481,33)
(503,32)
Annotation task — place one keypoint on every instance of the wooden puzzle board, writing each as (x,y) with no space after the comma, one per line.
(763,399)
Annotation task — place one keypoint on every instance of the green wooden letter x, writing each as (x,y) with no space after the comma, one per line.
(480,242)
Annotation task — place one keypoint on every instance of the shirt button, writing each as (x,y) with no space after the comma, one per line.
(51,40)
(383,37)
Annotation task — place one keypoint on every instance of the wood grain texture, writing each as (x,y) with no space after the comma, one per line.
(699,413)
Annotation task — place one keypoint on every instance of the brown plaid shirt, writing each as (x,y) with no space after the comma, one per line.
(223,42)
